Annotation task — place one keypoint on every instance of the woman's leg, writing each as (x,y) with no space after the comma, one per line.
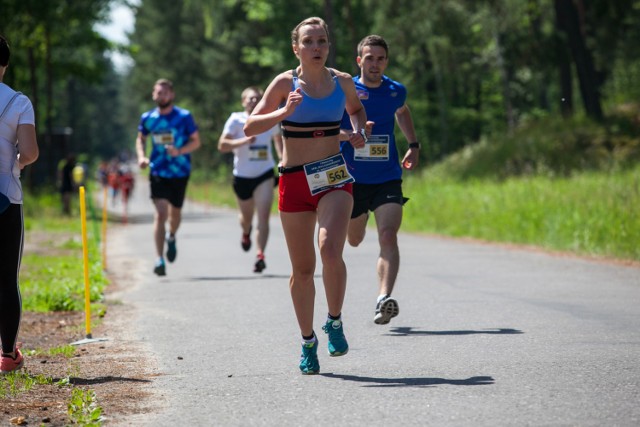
(334,211)
(12,232)
(263,196)
(299,228)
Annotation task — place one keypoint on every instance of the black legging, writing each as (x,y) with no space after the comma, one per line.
(11,240)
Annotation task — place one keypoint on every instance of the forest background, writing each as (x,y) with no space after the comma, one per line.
(498,88)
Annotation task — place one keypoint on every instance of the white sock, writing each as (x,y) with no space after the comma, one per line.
(311,341)
(381,297)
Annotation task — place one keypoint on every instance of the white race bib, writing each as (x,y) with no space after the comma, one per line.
(376,149)
(327,173)
(258,153)
(163,138)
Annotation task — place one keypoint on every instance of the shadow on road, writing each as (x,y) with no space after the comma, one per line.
(100,380)
(411,382)
(408,330)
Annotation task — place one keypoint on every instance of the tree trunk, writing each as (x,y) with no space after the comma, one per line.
(431,64)
(564,65)
(569,20)
(51,171)
(328,13)
(351,27)
(505,77)
(33,77)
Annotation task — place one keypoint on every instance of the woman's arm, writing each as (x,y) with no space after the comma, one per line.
(356,111)
(268,113)
(27,145)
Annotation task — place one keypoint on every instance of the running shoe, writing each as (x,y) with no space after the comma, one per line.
(172,251)
(386,309)
(309,364)
(9,364)
(246,241)
(338,345)
(259,265)
(159,269)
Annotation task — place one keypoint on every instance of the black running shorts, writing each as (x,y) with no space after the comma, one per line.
(171,189)
(244,187)
(368,197)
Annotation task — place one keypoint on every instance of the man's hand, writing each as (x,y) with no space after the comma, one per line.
(410,160)
(357,140)
(143,162)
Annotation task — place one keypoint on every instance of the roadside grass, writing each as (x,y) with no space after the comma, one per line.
(52,275)
(214,193)
(590,213)
(52,280)
(83,408)
(213,187)
(16,383)
(65,350)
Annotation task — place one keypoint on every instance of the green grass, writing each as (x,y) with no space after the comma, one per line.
(66,350)
(83,409)
(215,193)
(586,213)
(591,213)
(52,275)
(15,383)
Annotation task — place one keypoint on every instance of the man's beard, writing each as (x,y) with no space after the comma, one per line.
(164,105)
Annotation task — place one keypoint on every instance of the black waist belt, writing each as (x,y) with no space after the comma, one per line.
(310,133)
(284,169)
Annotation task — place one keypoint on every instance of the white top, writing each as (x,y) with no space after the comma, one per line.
(20,112)
(250,160)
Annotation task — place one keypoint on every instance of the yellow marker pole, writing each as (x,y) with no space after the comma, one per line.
(85,253)
(104,229)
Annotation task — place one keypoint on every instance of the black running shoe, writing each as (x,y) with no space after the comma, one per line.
(159,269)
(172,250)
(246,241)
(259,266)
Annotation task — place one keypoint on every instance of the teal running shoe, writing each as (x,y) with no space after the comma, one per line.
(172,251)
(159,268)
(309,364)
(338,345)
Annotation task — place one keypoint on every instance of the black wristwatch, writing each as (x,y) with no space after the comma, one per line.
(414,145)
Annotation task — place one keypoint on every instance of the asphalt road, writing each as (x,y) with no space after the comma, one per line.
(486,336)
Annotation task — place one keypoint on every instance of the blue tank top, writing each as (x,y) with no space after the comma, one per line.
(312,112)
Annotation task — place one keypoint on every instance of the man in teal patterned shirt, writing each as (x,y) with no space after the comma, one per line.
(174,135)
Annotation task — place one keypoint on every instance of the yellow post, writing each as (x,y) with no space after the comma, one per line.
(104,229)
(85,253)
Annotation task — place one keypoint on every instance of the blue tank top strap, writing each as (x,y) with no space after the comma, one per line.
(318,112)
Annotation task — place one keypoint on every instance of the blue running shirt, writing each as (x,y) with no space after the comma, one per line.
(381,104)
(173,128)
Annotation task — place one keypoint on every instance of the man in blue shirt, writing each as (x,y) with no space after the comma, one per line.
(174,135)
(376,167)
